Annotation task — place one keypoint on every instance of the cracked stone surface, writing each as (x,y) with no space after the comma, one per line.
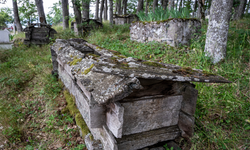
(174,31)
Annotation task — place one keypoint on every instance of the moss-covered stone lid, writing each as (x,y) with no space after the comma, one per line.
(109,76)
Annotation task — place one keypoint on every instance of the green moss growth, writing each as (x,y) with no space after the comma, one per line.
(114,59)
(149,63)
(82,124)
(185,71)
(124,65)
(94,55)
(206,73)
(121,56)
(72,109)
(75,60)
(59,48)
(88,70)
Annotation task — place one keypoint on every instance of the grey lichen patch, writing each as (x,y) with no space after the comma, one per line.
(88,70)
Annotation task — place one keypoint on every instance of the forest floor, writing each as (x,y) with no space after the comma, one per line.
(32,100)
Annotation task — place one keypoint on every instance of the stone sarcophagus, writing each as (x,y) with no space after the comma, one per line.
(38,34)
(173,31)
(127,103)
(125,19)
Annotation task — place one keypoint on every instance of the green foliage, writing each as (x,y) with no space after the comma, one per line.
(161,14)
(55,14)
(27,11)
(5,16)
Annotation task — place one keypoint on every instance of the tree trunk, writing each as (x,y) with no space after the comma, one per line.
(96,9)
(195,8)
(164,4)
(40,11)
(155,5)
(216,40)
(111,12)
(16,16)
(170,4)
(200,13)
(77,13)
(65,12)
(180,6)
(176,6)
(209,6)
(124,5)
(85,9)
(118,7)
(101,9)
(239,10)
(140,6)
(146,7)
(106,10)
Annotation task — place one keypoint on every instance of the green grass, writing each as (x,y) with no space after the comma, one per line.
(31,102)
(223,110)
(161,14)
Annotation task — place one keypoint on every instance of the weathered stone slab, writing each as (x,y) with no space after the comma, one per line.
(4,38)
(189,100)
(186,124)
(125,102)
(139,140)
(114,119)
(150,114)
(174,31)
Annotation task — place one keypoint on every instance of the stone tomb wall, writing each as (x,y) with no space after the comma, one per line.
(123,106)
(173,31)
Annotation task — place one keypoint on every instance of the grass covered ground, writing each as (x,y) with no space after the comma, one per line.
(32,101)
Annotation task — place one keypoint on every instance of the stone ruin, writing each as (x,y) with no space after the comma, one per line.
(173,32)
(125,19)
(88,25)
(128,103)
(38,33)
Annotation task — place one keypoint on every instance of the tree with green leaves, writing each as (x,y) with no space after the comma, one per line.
(55,15)
(27,12)
(5,17)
